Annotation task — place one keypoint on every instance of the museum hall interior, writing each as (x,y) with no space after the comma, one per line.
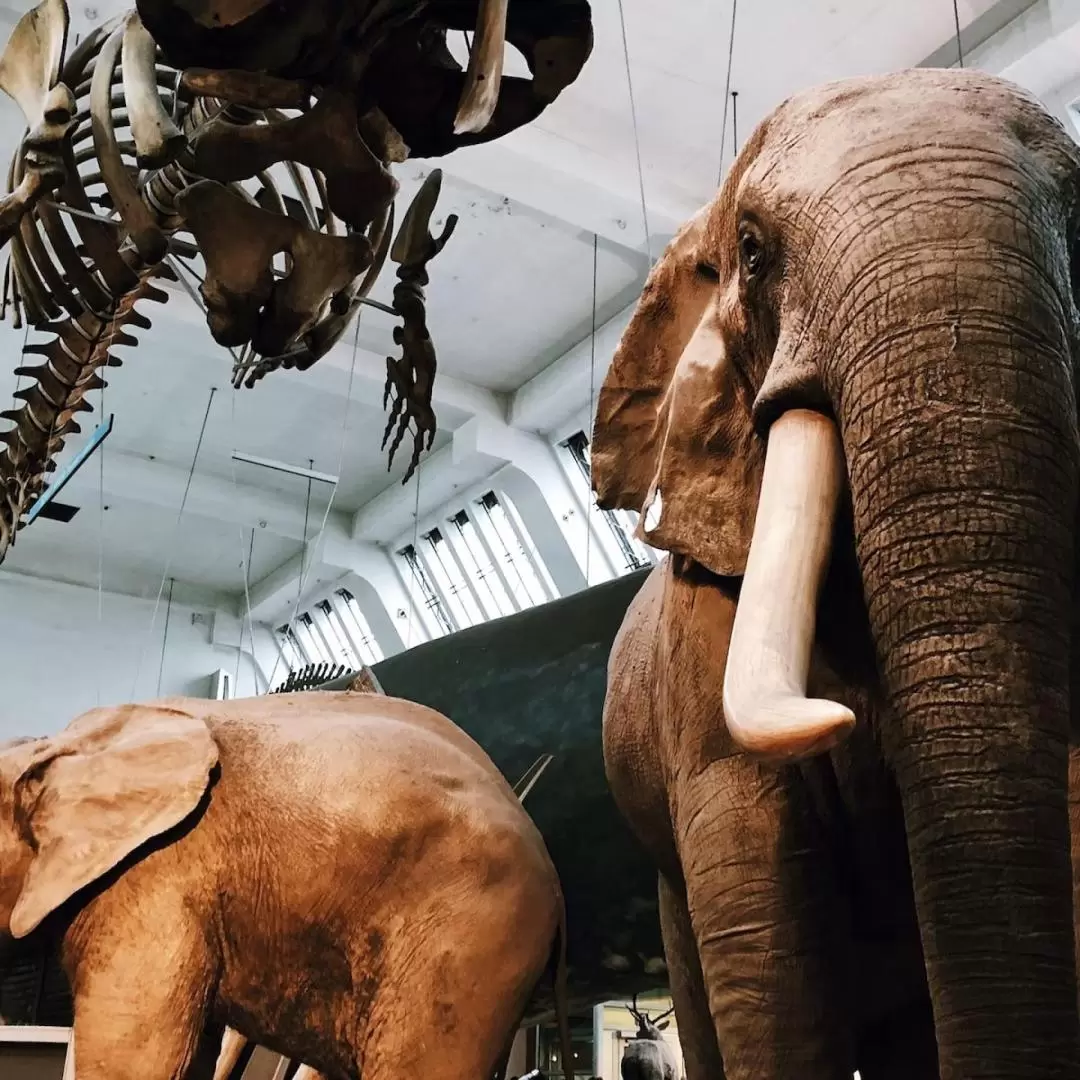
(583,493)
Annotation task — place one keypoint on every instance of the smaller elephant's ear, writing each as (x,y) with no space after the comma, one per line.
(114,779)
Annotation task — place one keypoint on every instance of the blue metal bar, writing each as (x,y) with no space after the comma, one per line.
(69,470)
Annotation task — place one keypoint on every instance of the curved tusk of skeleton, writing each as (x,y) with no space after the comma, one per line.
(484,76)
(765,702)
(157,139)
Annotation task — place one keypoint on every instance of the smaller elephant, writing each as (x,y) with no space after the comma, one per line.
(343,878)
(648,1056)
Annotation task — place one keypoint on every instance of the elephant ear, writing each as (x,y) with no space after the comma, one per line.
(674,435)
(114,779)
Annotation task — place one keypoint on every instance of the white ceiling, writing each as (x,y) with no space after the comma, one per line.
(511,293)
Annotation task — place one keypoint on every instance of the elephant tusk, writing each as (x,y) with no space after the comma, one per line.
(482,80)
(765,702)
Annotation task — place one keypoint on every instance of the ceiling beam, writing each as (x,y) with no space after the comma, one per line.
(977,32)
(571,382)
(139,479)
(133,586)
(1038,50)
(464,461)
(531,181)
(333,559)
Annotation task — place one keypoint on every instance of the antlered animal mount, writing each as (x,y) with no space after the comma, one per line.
(249,145)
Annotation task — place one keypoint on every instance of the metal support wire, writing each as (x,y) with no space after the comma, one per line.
(330,502)
(959,44)
(590,502)
(303,543)
(245,565)
(727,91)
(414,562)
(637,135)
(734,124)
(172,543)
(246,620)
(165,636)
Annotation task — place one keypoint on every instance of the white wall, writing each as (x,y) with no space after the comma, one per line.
(57,659)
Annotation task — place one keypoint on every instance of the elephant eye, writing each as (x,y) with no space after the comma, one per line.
(752,250)
(709,273)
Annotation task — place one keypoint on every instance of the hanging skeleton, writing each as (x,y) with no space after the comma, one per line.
(274,182)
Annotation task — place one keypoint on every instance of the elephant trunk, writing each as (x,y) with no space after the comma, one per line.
(959,428)
(950,377)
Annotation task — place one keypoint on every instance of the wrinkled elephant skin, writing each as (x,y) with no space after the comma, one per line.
(896,254)
(343,878)
(795,881)
(786,903)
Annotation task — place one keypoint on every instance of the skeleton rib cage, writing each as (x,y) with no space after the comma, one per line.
(81,260)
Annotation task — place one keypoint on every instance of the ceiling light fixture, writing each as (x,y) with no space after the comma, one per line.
(285,467)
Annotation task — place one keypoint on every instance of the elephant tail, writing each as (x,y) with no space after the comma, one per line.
(562,1013)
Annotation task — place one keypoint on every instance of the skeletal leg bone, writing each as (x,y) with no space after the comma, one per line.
(253,89)
(234,1047)
(409,379)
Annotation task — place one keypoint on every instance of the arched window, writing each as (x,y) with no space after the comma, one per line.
(478,564)
(332,631)
(614,529)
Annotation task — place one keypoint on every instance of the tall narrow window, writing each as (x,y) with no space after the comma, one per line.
(423,589)
(632,554)
(291,652)
(333,631)
(356,627)
(507,542)
(451,580)
(480,565)
(324,618)
(305,634)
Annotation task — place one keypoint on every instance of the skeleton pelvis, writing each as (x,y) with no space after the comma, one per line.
(239,242)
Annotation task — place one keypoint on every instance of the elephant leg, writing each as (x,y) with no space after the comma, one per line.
(147,1043)
(770,922)
(901,1046)
(139,1023)
(697,1035)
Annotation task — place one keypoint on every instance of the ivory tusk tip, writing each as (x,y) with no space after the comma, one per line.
(471,119)
(787,729)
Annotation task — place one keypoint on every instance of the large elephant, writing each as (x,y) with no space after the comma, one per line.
(343,878)
(786,902)
(862,355)
(795,881)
